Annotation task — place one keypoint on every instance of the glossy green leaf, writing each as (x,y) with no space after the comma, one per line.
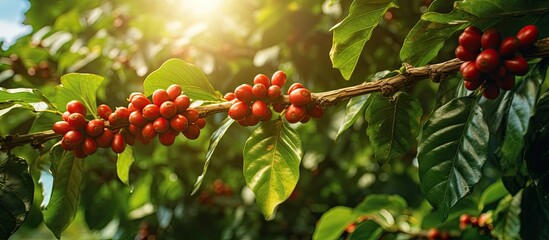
(214,140)
(536,152)
(272,155)
(16,194)
(27,95)
(491,194)
(333,222)
(534,215)
(124,163)
(501,8)
(354,31)
(383,209)
(191,79)
(518,119)
(507,217)
(368,230)
(393,124)
(67,183)
(355,108)
(451,152)
(79,86)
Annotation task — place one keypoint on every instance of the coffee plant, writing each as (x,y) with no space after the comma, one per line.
(126,120)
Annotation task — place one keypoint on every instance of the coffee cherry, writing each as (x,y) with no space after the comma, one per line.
(316,112)
(89,146)
(75,106)
(95,127)
(433,234)
(239,110)
(229,96)
(500,72)
(192,132)
(148,131)
(118,144)
(168,109)
(300,97)
(305,119)
(487,60)
(65,116)
(139,102)
(491,90)
(295,113)
(104,111)
(73,138)
(135,94)
(200,123)
(278,79)
(132,108)
(78,152)
(61,127)
(136,118)
(516,65)
(123,114)
(161,125)
(250,120)
(151,112)
(114,120)
(279,107)
(173,91)
(129,138)
(465,54)
(261,111)
(182,102)
(465,218)
(490,39)
(104,139)
(470,40)
(159,96)
(527,36)
(263,79)
(179,123)
(244,93)
(294,87)
(77,121)
(134,130)
(191,114)
(259,91)
(470,72)
(507,82)
(472,85)
(274,91)
(509,46)
(167,138)
(473,29)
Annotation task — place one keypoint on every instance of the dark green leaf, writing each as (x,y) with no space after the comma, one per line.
(79,86)
(534,215)
(214,140)
(67,183)
(451,152)
(16,195)
(506,217)
(272,155)
(353,111)
(500,8)
(354,31)
(124,163)
(100,209)
(393,124)
(333,222)
(191,79)
(367,230)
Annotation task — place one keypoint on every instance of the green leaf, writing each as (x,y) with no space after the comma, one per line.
(16,194)
(493,193)
(536,152)
(367,230)
(333,222)
(354,31)
(27,95)
(451,152)
(272,155)
(518,118)
(79,86)
(393,124)
(353,111)
(214,140)
(191,79)
(67,184)
(375,202)
(507,217)
(534,215)
(124,163)
(499,8)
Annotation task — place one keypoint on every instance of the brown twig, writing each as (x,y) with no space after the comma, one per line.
(387,86)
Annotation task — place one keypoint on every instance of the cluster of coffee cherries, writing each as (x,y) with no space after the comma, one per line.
(483,222)
(252,104)
(491,62)
(168,114)
(435,234)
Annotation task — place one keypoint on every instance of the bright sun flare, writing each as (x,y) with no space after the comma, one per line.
(201,7)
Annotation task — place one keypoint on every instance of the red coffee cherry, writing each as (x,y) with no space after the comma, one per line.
(261,111)
(135,94)
(179,123)
(191,114)
(89,146)
(274,91)
(134,129)
(470,72)
(490,39)
(473,84)
(160,96)
(295,113)
(239,110)
(491,90)
(65,116)
(300,97)
(316,112)
(75,106)
(129,138)
(182,102)
(433,234)
(151,112)
(305,119)
(506,83)
(167,138)
(470,39)
(279,107)
(61,127)
(114,120)
(465,54)
(79,152)
(250,120)
(263,79)
(509,46)
(136,118)
(139,102)
(500,72)
(123,113)
(516,65)
(95,127)
(244,93)
(229,96)
(104,139)
(278,79)
(77,121)
(294,87)
(200,123)
(168,109)
(118,144)
(132,108)
(473,29)
(192,132)
(464,220)
(527,36)
(148,131)
(173,91)
(259,91)
(161,125)
(73,138)
(104,111)
(487,60)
